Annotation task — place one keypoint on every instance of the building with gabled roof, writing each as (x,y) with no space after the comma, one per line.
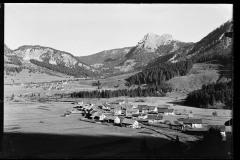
(130,123)
(154,118)
(166,111)
(192,123)
(143,116)
(163,106)
(117,111)
(132,111)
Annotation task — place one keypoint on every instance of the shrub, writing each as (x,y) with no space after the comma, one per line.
(214,113)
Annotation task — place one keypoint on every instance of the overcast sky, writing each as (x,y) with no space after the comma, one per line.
(83,29)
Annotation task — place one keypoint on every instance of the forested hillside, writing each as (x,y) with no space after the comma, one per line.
(211,94)
(160,73)
(76,71)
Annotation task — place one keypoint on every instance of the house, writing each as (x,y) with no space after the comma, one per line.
(95,115)
(165,111)
(127,106)
(192,123)
(143,116)
(106,105)
(174,124)
(142,120)
(154,118)
(143,108)
(110,118)
(130,123)
(120,101)
(163,106)
(146,108)
(152,109)
(118,120)
(117,111)
(102,117)
(129,112)
(92,112)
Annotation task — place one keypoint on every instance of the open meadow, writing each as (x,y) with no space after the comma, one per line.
(34,129)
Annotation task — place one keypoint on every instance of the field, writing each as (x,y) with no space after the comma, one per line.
(201,73)
(34,129)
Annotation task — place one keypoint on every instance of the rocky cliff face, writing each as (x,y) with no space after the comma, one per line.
(151,42)
(49,55)
(151,47)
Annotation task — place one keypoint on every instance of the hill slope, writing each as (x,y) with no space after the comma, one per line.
(55,60)
(212,56)
(150,48)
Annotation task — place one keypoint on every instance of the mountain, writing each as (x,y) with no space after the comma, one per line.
(47,57)
(150,48)
(212,59)
(107,58)
(214,42)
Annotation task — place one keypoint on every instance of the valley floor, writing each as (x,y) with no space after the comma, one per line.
(34,129)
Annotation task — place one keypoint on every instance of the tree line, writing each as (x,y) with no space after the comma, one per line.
(211,94)
(13,69)
(160,73)
(76,71)
(138,92)
(225,58)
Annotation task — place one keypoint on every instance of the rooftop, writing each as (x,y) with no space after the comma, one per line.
(128,121)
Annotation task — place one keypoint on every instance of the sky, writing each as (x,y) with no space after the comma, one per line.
(84,29)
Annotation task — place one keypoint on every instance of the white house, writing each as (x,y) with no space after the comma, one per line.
(117,120)
(102,117)
(117,111)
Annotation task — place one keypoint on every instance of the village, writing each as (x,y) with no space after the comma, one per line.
(123,114)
